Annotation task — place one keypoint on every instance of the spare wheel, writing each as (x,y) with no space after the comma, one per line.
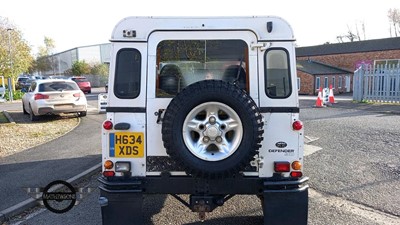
(212,128)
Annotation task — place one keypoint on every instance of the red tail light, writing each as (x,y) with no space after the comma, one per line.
(282,166)
(77,95)
(297,125)
(109,173)
(41,96)
(108,125)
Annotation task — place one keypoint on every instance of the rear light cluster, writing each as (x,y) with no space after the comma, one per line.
(284,167)
(40,96)
(119,167)
(77,95)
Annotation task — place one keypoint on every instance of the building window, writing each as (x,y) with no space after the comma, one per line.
(340,82)
(318,83)
(298,84)
(333,82)
(326,82)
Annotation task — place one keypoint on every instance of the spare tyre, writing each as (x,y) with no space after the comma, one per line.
(212,128)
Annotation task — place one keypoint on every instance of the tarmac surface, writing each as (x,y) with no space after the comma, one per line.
(79,153)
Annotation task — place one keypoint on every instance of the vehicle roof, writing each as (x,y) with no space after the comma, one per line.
(40,81)
(144,26)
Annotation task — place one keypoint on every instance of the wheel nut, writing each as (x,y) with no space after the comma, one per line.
(218,139)
(212,120)
(206,139)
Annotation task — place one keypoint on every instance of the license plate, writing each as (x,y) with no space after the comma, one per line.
(60,107)
(127,145)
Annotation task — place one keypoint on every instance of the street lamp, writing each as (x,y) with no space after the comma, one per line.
(10,86)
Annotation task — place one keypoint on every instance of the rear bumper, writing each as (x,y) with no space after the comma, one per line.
(189,185)
(283,202)
(43,110)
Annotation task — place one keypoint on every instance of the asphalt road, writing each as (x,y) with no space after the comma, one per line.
(354,179)
(61,158)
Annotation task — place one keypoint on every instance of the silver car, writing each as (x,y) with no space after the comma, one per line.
(53,97)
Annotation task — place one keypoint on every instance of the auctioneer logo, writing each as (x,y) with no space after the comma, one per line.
(58,196)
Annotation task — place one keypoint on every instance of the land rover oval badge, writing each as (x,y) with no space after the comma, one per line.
(281,144)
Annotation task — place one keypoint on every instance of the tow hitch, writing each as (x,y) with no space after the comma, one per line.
(202,204)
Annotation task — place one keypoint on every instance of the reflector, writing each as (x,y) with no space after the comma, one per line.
(297,125)
(108,125)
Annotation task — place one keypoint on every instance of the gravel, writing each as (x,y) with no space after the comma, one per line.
(24,134)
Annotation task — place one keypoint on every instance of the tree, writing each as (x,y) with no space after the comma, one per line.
(80,67)
(15,57)
(350,35)
(99,69)
(43,62)
(394,19)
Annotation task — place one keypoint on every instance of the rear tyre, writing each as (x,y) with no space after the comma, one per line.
(23,109)
(32,116)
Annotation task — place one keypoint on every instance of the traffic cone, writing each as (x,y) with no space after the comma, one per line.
(331,97)
(319,102)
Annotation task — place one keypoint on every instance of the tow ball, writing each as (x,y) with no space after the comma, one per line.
(203,204)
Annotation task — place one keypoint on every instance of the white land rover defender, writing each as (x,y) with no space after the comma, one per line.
(206,107)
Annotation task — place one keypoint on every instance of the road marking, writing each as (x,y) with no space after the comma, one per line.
(311,149)
(355,208)
(308,139)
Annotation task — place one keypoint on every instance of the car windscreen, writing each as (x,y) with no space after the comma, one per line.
(57,86)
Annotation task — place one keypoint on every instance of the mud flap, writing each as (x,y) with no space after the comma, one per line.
(121,207)
(285,206)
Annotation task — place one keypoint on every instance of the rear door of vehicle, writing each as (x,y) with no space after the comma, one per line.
(126,106)
(278,100)
(157,104)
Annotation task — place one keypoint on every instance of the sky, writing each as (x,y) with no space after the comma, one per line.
(75,23)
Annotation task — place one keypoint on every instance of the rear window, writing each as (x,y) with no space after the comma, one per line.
(127,73)
(277,73)
(22,79)
(57,86)
(183,62)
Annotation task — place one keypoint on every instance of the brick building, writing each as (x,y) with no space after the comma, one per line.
(312,75)
(347,57)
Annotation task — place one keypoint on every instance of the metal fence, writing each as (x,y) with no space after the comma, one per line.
(378,84)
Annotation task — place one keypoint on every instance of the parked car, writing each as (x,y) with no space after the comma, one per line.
(83,83)
(21,82)
(53,97)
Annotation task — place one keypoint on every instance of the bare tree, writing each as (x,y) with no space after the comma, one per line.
(394,19)
(351,36)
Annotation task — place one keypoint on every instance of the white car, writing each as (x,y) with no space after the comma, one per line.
(53,97)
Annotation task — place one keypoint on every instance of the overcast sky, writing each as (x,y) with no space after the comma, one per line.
(74,23)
